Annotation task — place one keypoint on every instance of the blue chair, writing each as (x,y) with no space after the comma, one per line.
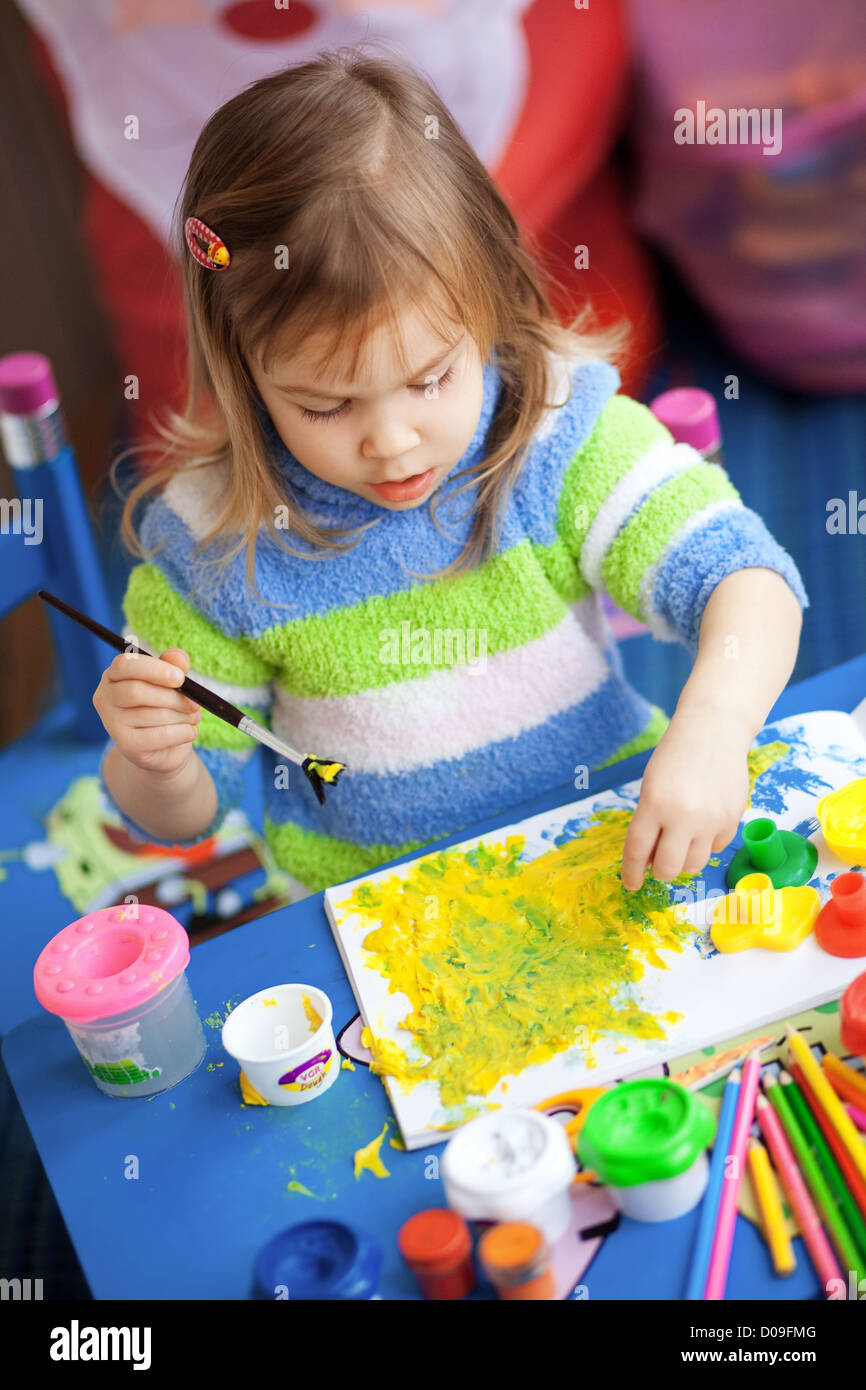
(46,541)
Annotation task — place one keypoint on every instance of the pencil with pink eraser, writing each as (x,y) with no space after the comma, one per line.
(724,1238)
(816,1242)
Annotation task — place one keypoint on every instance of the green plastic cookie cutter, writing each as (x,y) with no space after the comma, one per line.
(643,1131)
(788,859)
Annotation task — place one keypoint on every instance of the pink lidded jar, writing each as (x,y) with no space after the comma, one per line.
(117,978)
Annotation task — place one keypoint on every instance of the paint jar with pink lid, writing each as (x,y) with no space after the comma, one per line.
(117,978)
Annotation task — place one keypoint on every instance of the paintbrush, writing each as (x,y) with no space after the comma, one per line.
(320,772)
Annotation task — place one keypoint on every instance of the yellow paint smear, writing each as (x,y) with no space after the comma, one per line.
(759,759)
(368,1159)
(295,1186)
(313,1017)
(509,963)
(347,1065)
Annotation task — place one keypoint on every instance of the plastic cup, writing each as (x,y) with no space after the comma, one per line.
(283,1038)
(117,978)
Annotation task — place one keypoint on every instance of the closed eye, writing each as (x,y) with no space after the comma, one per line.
(436,384)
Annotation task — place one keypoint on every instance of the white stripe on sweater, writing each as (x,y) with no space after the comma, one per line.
(657,624)
(195,497)
(663,460)
(423,720)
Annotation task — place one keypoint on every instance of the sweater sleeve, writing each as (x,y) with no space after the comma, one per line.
(656,527)
(163,609)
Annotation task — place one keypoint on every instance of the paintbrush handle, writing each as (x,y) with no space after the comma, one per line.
(208,699)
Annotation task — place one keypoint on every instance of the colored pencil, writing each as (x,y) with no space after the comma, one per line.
(857,1115)
(816,1242)
(720,1258)
(318,771)
(838,1232)
(823,1091)
(697,1277)
(834,1066)
(843,1088)
(770,1206)
(835,1179)
(856,1185)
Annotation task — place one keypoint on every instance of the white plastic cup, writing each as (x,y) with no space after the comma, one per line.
(666,1198)
(283,1038)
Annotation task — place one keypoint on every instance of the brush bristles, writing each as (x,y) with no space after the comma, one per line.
(322,772)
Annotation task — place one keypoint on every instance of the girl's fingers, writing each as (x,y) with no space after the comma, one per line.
(135,694)
(638,849)
(670,855)
(147,718)
(696,858)
(160,736)
(135,666)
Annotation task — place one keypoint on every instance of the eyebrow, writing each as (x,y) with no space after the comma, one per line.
(331,396)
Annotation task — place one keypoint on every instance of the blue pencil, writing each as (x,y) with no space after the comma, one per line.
(710,1206)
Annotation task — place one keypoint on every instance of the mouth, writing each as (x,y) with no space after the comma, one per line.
(406,489)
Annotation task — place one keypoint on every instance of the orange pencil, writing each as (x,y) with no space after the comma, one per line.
(834,1066)
(855,1183)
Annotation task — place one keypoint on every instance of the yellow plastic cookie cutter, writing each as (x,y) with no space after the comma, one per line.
(842,817)
(757,914)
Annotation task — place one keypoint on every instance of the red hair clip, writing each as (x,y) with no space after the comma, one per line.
(209,249)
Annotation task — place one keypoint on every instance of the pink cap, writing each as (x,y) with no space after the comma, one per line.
(691,416)
(109,962)
(26,383)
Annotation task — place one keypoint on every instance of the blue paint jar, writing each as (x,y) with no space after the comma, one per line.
(318,1261)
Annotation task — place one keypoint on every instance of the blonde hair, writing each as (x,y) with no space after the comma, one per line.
(354,165)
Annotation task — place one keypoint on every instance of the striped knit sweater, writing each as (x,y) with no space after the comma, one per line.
(449,699)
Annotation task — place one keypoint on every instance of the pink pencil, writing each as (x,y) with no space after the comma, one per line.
(857,1115)
(724,1238)
(808,1221)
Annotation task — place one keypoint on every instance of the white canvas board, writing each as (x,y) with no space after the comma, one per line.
(719,995)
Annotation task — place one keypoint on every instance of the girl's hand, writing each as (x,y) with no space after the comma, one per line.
(695,788)
(151,723)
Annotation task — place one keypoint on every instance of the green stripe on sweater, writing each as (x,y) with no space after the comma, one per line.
(160,618)
(624,432)
(645,538)
(502,604)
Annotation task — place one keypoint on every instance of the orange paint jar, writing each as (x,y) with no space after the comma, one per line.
(516,1259)
(437,1247)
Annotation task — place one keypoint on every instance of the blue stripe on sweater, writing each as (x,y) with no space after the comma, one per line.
(730,540)
(429,802)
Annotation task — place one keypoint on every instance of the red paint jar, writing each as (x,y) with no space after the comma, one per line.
(437,1247)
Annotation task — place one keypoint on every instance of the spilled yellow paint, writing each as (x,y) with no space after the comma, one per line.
(347,1065)
(313,1017)
(369,1159)
(295,1186)
(509,963)
(763,757)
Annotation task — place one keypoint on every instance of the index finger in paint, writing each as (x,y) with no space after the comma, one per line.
(640,842)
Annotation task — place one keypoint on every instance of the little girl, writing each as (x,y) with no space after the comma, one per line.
(391,506)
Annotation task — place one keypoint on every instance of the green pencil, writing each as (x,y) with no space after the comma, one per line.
(836,1228)
(826,1162)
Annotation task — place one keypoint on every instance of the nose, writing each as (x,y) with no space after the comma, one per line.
(388,437)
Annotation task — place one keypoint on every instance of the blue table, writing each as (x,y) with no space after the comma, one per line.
(215,1180)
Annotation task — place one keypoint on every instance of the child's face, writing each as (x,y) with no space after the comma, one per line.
(386,437)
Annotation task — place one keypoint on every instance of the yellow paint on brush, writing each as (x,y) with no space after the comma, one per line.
(760,759)
(368,1159)
(313,1017)
(327,771)
(508,963)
